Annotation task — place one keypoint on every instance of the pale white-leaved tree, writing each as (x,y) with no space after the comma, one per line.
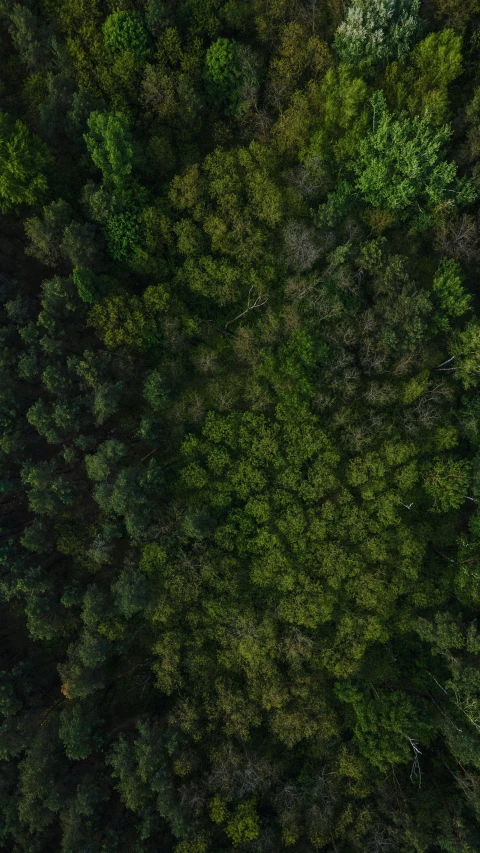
(377,31)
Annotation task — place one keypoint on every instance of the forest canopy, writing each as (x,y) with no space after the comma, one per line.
(239,426)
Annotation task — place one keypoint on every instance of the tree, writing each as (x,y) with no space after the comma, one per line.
(456,14)
(109,142)
(130,321)
(126,31)
(422,86)
(222,74)
(24,160)
(466,354)
(48,491)
(447,484)
(449,290)
(345,118)
(301,57)
(244,824)
(84,281)
(376,32)
(401,164)
(56,236)
(387,725)
(77,723)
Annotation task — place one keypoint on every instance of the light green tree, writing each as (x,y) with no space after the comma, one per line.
(401,166)
(110,145)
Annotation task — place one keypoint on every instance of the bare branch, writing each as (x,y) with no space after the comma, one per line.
(250,307)
(415,772)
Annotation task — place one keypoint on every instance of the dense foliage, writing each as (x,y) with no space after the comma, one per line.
(240,426)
